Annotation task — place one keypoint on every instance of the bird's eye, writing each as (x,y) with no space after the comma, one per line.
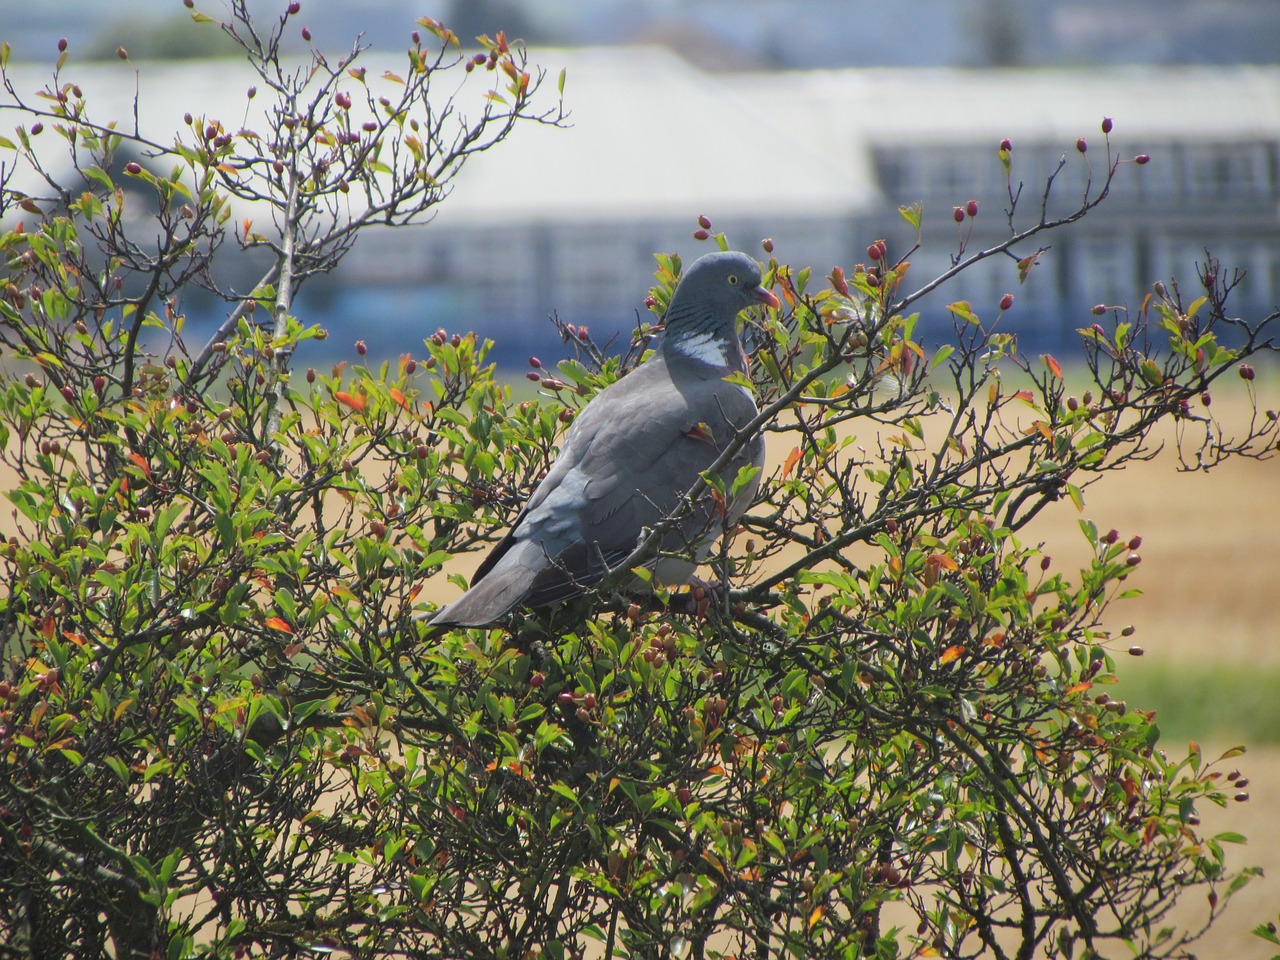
(733,279)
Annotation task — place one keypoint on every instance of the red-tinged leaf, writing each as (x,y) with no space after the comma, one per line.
(722,508)
(227,168)
(398,396)
(355,402)
(951,653)
(1026,396)
(996,640)
(1045,430)
(1080,687)
(1025,265)
(1054,367)
(993,394)
(291,650)
(942,561)
(276,623)
(1130,788)
(47,628)
(792,459)
(816,915)
(413,593)
(29,205)
(1149,832)
(141,463)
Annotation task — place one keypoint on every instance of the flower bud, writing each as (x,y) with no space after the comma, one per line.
(1006,301)
(704,222)
(767,243)
(958,214)
(1106,125)
(1246,372)
(1142,159)
(1006,145)
(1082,145)
(1099,309)
(700,234)
(294,7)
(971,208)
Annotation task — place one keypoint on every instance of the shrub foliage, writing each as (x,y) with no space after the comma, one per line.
(886,732)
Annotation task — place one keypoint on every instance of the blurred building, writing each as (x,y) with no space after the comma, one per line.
(568,220)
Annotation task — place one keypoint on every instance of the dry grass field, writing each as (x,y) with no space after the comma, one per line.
(1208,621)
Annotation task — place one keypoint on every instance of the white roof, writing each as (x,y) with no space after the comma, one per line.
(954,105)
(650,137)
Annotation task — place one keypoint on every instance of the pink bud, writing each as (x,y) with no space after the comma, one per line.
(1082,145)
(700,234)
(294,7)
(306,34)
(1099,309)
(1006,145)
(361,348)
(1006,301)
(62,45)
(1106,125)
(958,214)
(533,375)
(971,208)
(704,222)
(1142,158)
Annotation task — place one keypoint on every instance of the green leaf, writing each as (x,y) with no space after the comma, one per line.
(913,214)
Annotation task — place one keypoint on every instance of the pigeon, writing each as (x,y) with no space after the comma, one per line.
(632,454)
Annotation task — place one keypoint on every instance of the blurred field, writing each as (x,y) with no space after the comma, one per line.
(1207,620)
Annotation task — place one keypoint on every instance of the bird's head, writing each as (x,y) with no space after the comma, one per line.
(728,282)
(703,310)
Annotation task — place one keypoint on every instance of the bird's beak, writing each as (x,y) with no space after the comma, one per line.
(764,296)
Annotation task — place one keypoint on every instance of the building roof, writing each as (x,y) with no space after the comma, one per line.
(956,105)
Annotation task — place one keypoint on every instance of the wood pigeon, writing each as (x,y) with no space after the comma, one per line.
(632,454)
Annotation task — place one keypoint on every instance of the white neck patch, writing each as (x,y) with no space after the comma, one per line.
(705,347)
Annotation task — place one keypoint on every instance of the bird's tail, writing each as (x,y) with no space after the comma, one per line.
(499,591)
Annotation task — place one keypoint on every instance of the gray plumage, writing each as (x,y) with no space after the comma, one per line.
(631,455)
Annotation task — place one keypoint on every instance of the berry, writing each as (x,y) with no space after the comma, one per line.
(1006,145)
(133,167)
(1142,159)
(1106,125)
(1082,145)
(534,375)
(62,45)
(704,222)
(958,214)
(971,208)
(294,7)
(1006,301)
(700,234)
(306,34)
(1246,372)
(767,243)
(1099,309)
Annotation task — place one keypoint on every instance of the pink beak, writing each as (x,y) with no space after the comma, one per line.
(765,297)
